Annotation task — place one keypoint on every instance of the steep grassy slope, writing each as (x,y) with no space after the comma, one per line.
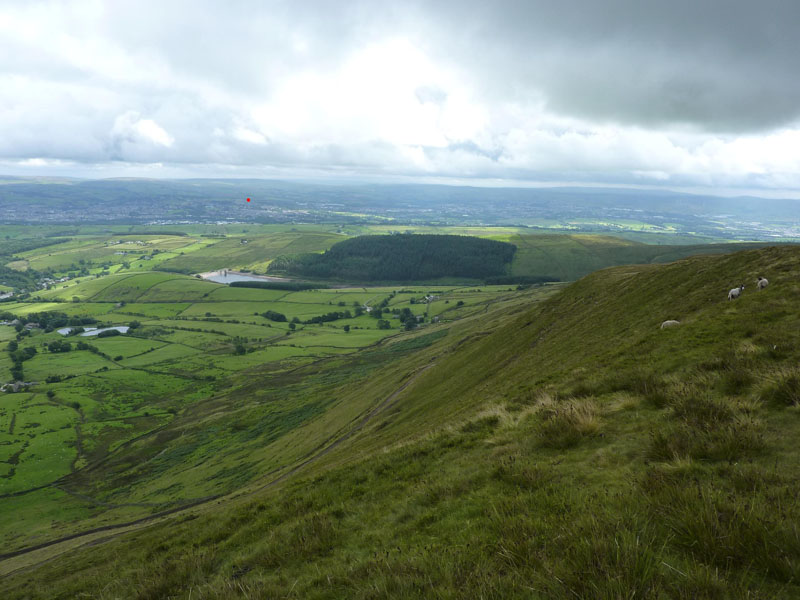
(568,449)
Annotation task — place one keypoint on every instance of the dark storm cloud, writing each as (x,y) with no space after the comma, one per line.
(720,65)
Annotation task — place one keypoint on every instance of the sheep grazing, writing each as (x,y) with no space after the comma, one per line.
(762,283)
(670,323)
(735,292)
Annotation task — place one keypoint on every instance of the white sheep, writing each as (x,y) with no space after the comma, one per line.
(762,283)
(735,292)
(670,323)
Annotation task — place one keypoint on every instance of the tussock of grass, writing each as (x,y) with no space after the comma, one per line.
(563,424)
(643,382)
(483,424)
(611,559)
(517,472)
(704,426)
(729,531)
(784,390)
(701,409)
(639,381)
(740,438)
(736,382)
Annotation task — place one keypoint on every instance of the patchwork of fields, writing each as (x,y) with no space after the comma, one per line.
(75,428)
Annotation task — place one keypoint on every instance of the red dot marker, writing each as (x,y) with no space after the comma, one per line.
(248,199)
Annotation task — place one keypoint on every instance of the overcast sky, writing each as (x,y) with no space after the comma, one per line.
(679,93)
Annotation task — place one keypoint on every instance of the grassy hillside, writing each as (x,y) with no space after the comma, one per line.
(565,449)
(570,257)
(251,252)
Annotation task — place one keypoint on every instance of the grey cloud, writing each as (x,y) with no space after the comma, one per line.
(195,69)
(721,65)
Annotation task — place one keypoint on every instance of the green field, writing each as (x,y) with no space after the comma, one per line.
(250,252)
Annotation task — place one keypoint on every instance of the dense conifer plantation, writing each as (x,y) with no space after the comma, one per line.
(403,258)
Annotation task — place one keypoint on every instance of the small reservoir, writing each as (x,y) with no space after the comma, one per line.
(94,330)
(225,276)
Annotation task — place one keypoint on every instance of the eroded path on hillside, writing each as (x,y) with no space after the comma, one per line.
(360,423)
(33,556)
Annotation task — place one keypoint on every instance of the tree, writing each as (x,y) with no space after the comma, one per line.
(134,325)
(384,324)
(59,346)
(240,349)
(274,316)
(346,328)
(292,326)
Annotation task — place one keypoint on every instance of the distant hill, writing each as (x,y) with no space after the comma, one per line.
(570,257)
(377,258)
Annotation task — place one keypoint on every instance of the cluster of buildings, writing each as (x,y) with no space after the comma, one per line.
(48,281)
(16,322)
